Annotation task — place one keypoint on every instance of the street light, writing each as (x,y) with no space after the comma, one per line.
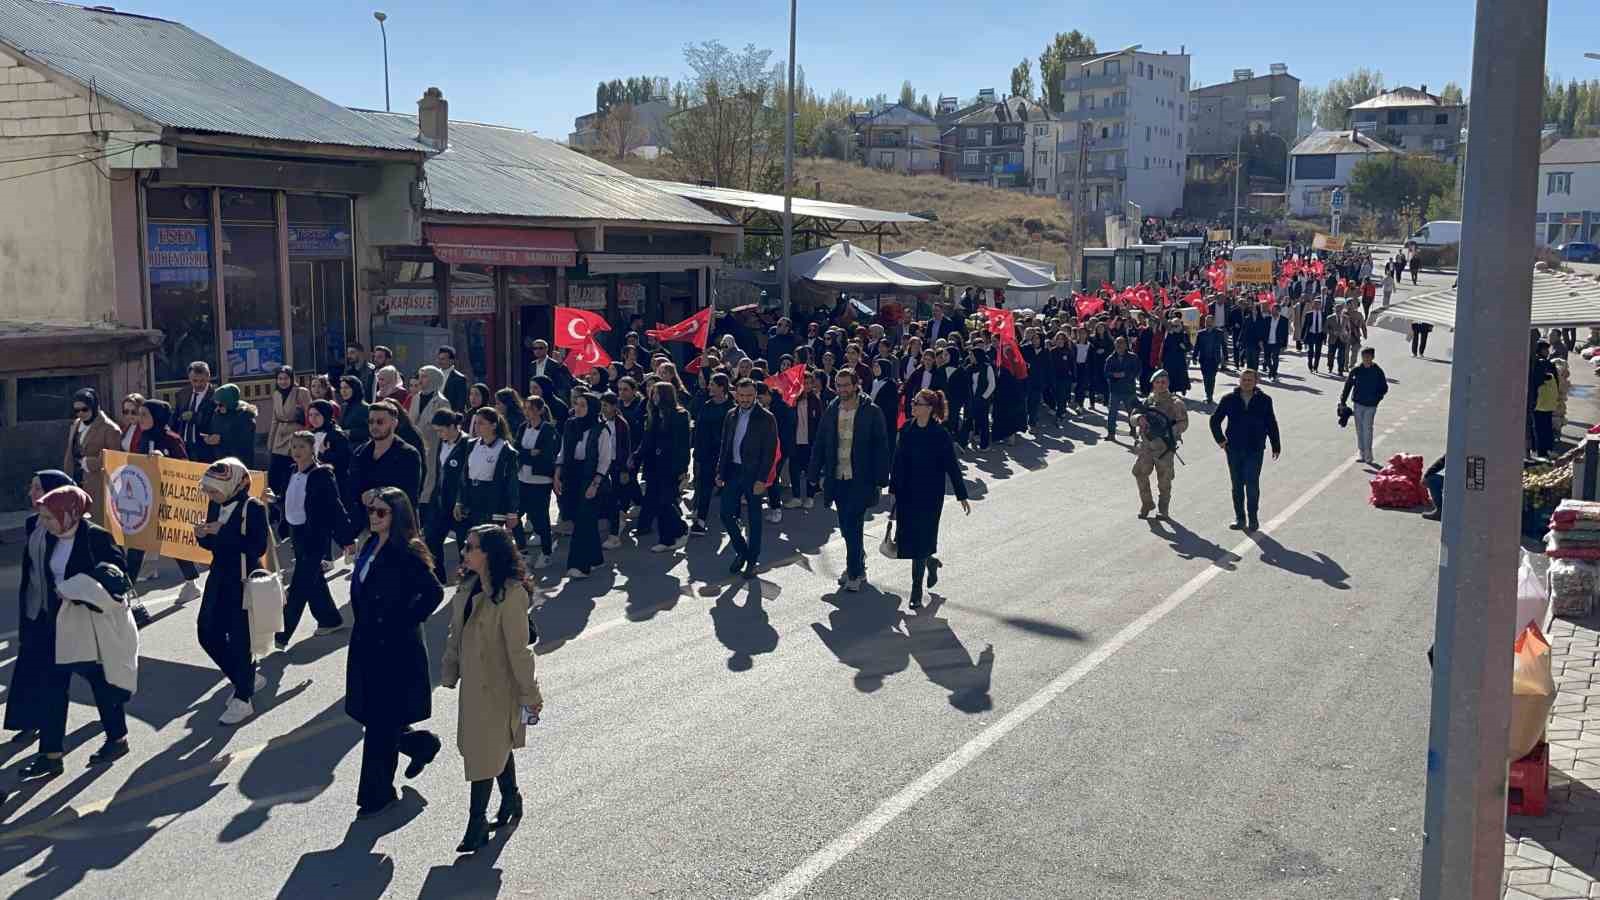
(1238,163)
(1592,55)
(788,166)
(381,16)
(1085,128)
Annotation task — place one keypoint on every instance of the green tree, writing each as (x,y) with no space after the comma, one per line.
(1569,110)
(1392,183)
(1310,97)
(908,95)
(924,107)
(730,133)
(1451,93)
(1053,63)
(1338,95)
(1022,79)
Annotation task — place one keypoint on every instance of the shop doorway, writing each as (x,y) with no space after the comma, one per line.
(323,311)
(533,323)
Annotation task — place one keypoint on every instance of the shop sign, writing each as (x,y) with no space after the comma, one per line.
(423,303)
(477,301)
(179,254)
(586,295)
(630,295)
(254,351)
(319,242)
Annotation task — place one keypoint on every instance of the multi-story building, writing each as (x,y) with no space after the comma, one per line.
(898,139)
(1569,192)
(1123,131)
(1412,119)
(650,120)
(990,144)
(1220,113)
(1043,156)
(1323,162)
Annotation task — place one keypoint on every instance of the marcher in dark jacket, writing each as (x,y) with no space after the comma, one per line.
(353,409)
(449,466)
(583,472)
(315,515)
(853,490)
(332,442)
(708,420)
(36,620)
(924,460)
(233,427)
(1210,351)
(537,444)
(155,431)
(235,531)
(1242,426)
(664,463)
(489,488)
(384,460)
(388,682)
(746,466)
(1175,358)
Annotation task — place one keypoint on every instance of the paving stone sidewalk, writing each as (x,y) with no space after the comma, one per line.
(1557,855)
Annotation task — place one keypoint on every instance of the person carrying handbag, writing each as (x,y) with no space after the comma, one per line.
(235,531)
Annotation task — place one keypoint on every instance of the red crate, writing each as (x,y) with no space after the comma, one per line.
(1528,783)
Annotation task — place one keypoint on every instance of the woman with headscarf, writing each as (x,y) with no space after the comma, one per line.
(578,484)
(428,399)
(36,632)
(1175,350)
(884,391)
(233,428)
(332,444)
(353,411)
(478,396)
(289,404)
(235,531)
(388,385)
(157,438)
(556,409)
(664,461)
(91,433)
(69,546)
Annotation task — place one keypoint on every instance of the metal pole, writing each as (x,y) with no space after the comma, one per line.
(1238,163)
(385,31)
(1080,200)
(1471,703)
(788,167)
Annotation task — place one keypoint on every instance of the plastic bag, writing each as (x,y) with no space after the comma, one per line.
(1532,599)
(1573,584)
(1533,692)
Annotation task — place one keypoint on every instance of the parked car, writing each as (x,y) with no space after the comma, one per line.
(1579,251)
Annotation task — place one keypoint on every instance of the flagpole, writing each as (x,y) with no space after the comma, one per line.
(788,165)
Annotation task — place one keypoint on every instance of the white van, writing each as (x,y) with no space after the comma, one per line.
(1438,233)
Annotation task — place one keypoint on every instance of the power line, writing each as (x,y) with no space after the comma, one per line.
(79,162)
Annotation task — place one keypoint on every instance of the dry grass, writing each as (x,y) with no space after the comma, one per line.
(969,216)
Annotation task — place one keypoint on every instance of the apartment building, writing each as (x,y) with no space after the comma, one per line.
(1413,120)
(990,144)
(1569,192)
(898,139)
(1220,113)
(1043,156)
(1123,131)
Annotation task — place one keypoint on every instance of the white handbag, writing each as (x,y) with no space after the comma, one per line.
(263,597)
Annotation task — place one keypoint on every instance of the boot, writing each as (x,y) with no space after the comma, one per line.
(916,596)
(1162,507)
(510,811)
(477,835)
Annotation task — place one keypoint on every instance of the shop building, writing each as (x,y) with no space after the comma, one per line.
(513,225)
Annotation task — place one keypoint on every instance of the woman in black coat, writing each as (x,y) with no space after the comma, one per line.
(925,458)
(536,443)
(580,483)
(235,531)
(332,442)
(1040,384)
(664,461)
(884,392)
(1175,350)
(388,683)
(36,634)
(353,409)
(315,516)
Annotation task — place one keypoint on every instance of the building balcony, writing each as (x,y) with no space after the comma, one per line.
(1100,173)
(1099,114)
(1094,82)
(1070,148)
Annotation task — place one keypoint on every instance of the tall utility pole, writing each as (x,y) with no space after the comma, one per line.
(381,16)
(1471,704)
(788,166)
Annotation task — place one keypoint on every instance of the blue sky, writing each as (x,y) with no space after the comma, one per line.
(535,66)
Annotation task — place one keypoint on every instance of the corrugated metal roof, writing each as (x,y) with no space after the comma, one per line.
(1571,150)
(1319,142)
(178,78)
(800,206)
(1401,97)
(1010,110)
(1558,299)
(492,170)
(898,114)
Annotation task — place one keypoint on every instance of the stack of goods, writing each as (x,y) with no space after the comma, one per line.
(1574,530)
(1399,484)
(1573,585)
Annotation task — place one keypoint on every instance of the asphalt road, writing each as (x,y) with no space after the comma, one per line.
(1094,705)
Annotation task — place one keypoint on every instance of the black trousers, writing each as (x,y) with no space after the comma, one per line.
(107,699)
(1544,432)
(136,563)
(747,547)
(799,472)
(224,632)
(442,522)
(381,746)
(1270,356)
(705,483)
(1208,374)
(308,586)
(584,551)
(977,421)
(1252,356)
(664,506)
(1336,355)
(1244,471)
(1419,339)
(1080,383)
(1314,350)
(852,523)
(535,502)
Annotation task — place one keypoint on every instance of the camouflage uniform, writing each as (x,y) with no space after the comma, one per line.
(1153,455)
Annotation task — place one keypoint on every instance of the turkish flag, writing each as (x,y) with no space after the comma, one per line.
(696,330)
(1267,298)
(1196,300)
(1317,268)
(1165,300)
(590,356)
(1088,306)
(1143,299)
(692,367)
(576,327)
(1011,358)
(1002,323)
(789,383)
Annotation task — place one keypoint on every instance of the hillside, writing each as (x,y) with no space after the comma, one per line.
(969,216)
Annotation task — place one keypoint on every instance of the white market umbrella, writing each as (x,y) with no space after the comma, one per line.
(849,267)
(949,270)
(1023,275)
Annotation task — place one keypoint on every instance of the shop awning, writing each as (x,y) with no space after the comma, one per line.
(498,246)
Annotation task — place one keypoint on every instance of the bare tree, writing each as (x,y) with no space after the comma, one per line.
(729,132)
(621,131)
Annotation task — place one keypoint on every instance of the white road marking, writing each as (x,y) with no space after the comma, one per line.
(818,863)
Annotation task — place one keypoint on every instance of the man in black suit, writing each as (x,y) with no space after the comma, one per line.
(926,376)
(196,404)
(745,469)
(543,365)
(939,326)
(851,483)
(355,363)
(455,384)
(383,461)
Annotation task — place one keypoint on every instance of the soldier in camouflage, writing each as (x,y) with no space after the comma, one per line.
(1159,424)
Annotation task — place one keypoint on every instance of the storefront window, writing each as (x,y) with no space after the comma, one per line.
(321,280)
(178,248)
(250,284)
(473,320)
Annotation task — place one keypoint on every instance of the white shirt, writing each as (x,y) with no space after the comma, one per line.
(530,439)
(481,461)
(608,449)
(1083,352)
(445,450)
(127,438)
(294,498)
(60,555)
(802,424)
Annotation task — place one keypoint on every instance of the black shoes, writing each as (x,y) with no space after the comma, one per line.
(916,597)
(42,767)
(421,760)
(1253,526)
(510,811)
(110,753)
(749,569)
(367,812)
(933,570)
(738,566)
(477,835)
(1238,525)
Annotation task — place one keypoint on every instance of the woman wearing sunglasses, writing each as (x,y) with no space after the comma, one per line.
(91,432)
(387,686)
(488,655)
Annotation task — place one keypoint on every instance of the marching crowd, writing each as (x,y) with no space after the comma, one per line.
(762,420)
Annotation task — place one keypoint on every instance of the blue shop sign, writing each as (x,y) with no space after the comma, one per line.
(179,254)
(319,242)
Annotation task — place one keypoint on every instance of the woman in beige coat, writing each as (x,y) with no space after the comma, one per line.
(489,654)
(289,404)
(425,401)
(91,432)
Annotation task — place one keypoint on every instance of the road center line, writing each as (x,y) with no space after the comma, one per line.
(818,863)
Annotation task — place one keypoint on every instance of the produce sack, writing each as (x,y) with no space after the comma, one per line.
(1573,584)
(1532,600)
(1533,692)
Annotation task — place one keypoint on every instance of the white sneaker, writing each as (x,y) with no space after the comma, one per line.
(634,510)
(792,503)
(261,682)
(774,516)
(612,542)
(576,573)
(237,711)
(660,548)
(189,591)
(809,503)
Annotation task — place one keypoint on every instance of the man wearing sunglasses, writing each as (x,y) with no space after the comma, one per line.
(384,460)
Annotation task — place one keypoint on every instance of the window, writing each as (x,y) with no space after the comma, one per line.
(886,159)
(1141,69)
(1441,118)
(1180,140)
(970,158)
(1041,130)
(1183,82)
(1440,145)
(972,134)
(1147,163)
(321,280)
(1041,159)
(178,262)
(916,157)
(1397,117)
(1014,158)
(1012,133)
(254,339)
(1558,183)
(1039,185)
(1315,167)
(1147,132)
(1181,109)
(48,398)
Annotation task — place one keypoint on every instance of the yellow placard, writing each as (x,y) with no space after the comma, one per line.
(154,502)
(1219,235)
(1250,271)
(1330,242)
